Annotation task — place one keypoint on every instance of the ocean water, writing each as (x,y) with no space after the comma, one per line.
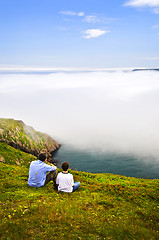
(96,162)
(105,120)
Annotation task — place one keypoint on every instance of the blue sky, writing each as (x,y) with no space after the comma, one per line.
(79,33)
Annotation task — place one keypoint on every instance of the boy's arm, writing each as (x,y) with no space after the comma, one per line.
(72,181)
(57,180)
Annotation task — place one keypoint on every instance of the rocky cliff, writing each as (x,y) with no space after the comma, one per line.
(20,136)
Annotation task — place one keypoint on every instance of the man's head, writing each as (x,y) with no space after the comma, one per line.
(65,166)
(42,156)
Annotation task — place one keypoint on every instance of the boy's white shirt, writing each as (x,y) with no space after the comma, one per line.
(65,182)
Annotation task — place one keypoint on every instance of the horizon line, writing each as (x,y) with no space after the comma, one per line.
(22,68)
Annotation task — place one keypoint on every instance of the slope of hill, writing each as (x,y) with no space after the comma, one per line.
(18,135)
(106,206)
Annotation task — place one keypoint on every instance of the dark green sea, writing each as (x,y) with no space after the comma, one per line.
(121,164)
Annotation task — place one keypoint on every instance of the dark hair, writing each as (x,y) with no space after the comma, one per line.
(65,166)
(42,156)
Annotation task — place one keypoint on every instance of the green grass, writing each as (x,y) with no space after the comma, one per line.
(15,156)
(106,206)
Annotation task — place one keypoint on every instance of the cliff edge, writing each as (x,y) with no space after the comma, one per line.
(20,136)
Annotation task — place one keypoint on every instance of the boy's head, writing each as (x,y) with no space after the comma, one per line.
(42,156)
(65,166)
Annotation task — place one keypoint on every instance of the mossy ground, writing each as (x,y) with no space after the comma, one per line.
(106,206)
(15,156)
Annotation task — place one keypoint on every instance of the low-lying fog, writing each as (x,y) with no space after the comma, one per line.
(104,111)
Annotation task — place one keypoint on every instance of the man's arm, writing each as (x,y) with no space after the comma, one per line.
(54,167)
(50,168)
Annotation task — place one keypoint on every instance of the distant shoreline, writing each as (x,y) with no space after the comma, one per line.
(49,70)
(147,69)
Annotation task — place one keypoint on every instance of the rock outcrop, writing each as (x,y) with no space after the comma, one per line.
(2,159)
(20,136)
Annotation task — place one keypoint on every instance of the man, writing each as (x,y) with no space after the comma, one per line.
(38,176)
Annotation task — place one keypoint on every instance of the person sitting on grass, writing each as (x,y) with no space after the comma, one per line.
(38,176)
(65,180)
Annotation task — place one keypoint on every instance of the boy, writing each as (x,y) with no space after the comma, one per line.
(65,180)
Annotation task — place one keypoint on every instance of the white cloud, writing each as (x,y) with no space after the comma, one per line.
(155,26)
(94,33)
(81,14)
(156,10)
(154,4)
(70,13)
(98,19)
(152,58)
(62,28)
(91,19)
(142,3)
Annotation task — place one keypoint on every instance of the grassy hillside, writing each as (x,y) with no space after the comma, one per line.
(25,138)
(106,206)
(14,156)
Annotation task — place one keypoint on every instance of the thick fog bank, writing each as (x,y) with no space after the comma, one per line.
(100,111)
